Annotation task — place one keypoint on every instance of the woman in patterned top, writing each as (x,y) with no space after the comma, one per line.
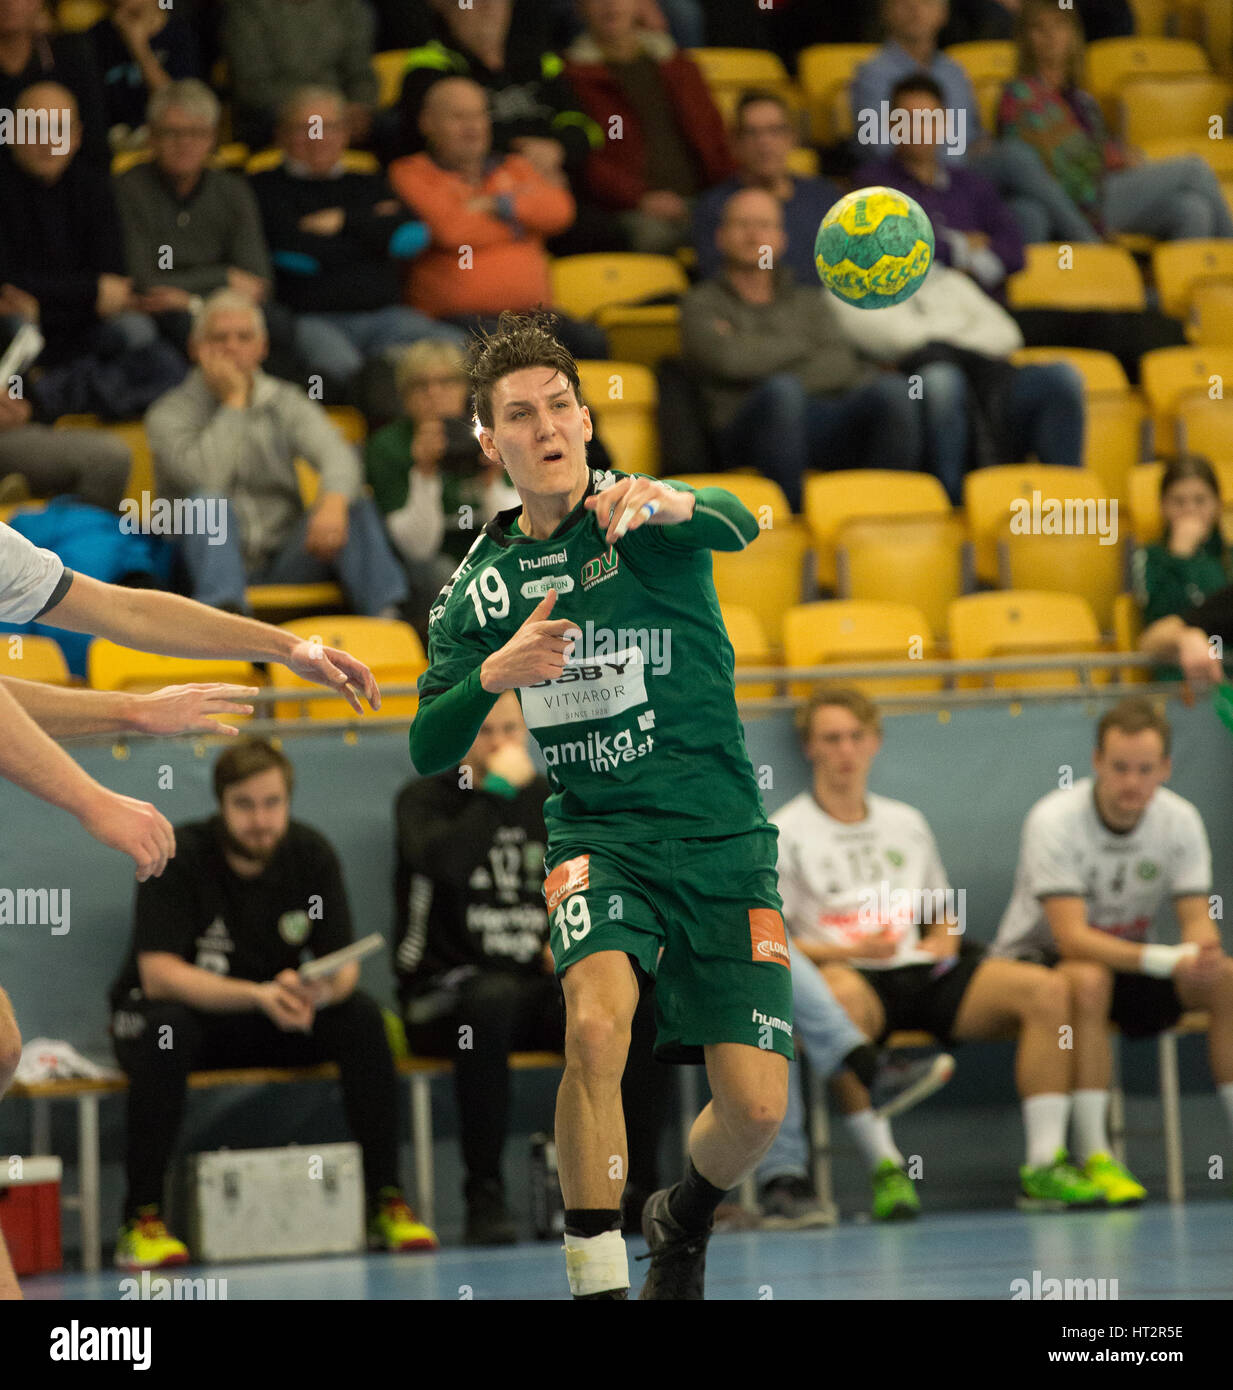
(1115,186)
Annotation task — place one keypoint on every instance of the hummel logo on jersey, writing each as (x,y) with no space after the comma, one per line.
(539,562)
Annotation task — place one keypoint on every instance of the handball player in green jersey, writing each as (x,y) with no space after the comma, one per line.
(595,602)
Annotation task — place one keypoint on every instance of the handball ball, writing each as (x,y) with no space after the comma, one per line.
(874,248)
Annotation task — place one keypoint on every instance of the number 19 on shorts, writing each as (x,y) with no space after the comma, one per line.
(573,918)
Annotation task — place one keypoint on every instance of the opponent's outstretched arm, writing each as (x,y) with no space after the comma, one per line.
(176,709)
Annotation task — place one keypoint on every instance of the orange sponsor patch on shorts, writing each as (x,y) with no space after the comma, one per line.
(569,877)
(768,939)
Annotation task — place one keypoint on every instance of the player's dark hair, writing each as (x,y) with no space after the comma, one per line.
(246,759)
(861,706)
(1181,469)
(916,82)
(520,341)
(755,97)
(1132,716)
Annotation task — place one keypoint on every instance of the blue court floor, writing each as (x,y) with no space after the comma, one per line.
(1155,1252)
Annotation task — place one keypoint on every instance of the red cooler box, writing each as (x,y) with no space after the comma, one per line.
(30,1213)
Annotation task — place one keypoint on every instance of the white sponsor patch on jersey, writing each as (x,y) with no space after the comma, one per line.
(596,689)
(537,588)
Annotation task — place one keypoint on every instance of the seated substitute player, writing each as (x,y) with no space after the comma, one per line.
(213,963)
(859,872)
(473,953)
(656,833)
(1096,861)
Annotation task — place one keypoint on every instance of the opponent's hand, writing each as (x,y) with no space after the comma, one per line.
(285,1010)
(537,652)
(133,827)
(880,946)
(339,670)
(185,709)
(635,501)
(1201,969)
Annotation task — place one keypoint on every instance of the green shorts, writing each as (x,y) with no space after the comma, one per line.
(711,906)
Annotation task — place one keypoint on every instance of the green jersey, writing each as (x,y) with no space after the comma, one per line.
(640,734)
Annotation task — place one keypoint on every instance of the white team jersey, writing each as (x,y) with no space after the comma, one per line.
(841,882)
(1067,850)
(29,577)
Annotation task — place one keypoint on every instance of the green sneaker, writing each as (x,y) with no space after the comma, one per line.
(1119,1187)
(1057,1186)
(894,1197)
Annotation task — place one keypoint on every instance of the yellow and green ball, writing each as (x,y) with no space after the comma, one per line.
(874,248)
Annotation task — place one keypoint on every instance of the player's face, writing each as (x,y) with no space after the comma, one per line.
(256,813)
(539,432)
(504,724)
(1128,771)
(1190,498)
(841,748)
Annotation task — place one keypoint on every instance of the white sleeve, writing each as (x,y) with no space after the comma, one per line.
(31,579)
(935,870)
(1192,857)
(1050,867)
(418,528)
(791,888)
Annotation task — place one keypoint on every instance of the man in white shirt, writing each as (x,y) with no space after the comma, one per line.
(1096,862)
(866,898)
(34,583)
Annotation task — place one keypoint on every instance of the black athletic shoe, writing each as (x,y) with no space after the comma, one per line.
(790,1204)
(900,1085)
(678,1260)
(488,1222)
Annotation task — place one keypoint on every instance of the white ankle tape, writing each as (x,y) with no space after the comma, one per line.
(596,1264)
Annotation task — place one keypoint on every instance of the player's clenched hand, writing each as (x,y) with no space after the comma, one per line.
(134,828)
(182,709)
(635,501)
(536,652)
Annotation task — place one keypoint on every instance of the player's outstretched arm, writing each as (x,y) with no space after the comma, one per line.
(176,709)
(170,625)
(709,519)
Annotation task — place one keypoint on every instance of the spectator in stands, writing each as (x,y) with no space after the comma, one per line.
(217,942)
(230,431)
(1114,186)
(1097,862)
(190,230)
(664,141)
(139,48)
(684,20)
(868,900)
(764,138)
(428,475)
(473,953)
(36,461)
(784,392)
(974,230)
(60,243)
(1184,582)
(338,236)
(973,20)
(28,54)
(488,217)
(1043,208)
(275,46)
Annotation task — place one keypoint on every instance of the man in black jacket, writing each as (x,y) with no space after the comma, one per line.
(337,236)
(475,975)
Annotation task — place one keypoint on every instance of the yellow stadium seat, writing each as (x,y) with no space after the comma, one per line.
(622,397)
(826,71)
(349,422)
(767,576)
(10,509)
(390,67)
(72,16)
(1145,502)
(33,659)
(1112,62)
(993,497)
(309,480)
(112,667)
(230,156)
(750,647)
(1217,153)
(728,72)
(1160,108)
(985,59)
(909,559)
(1101,371)
(988,99)
(1020,623)
(391,650)
(133,433)
(583,285)
(804,162)
(1061,276)
(1206,427)
(1180,267)
(834,498)
(1168,374)
(1217,27)
(1127,625)
(353,161)
(268,600)
(1088,564)
(1151,17)
(761,495)
(1211,315)
(848,631)
(642,333)
(124,160)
